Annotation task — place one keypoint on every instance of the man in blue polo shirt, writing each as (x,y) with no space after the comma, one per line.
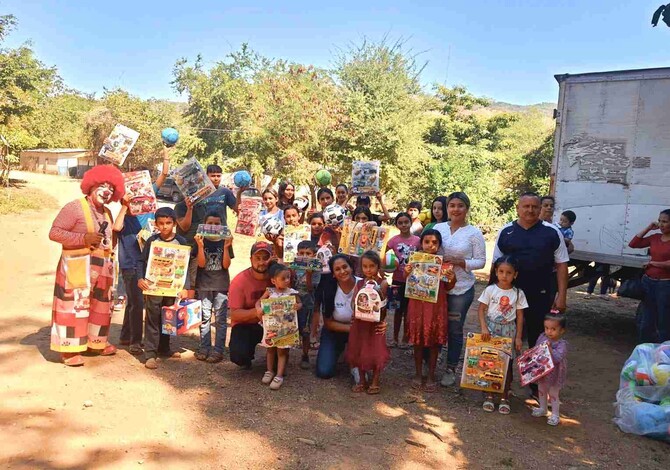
(538,246)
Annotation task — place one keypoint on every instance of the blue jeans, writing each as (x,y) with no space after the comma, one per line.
(332,346)
(216,303)
(457,307)
(133,317)
(655,320)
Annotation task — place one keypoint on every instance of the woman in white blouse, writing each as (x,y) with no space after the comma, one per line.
(463,245)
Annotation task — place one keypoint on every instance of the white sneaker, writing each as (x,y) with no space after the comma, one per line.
(449,378)
(553,420)
(267,377)
(539,413)
(276,383)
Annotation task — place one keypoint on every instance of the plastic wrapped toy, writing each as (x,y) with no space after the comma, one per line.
(643,399)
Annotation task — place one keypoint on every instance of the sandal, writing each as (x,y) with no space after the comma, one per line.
(135,349)
(358,388)
(314,345)
(393,344)
(488,405)
(109,350)
(73,360)
(373,390)
(417,384)
(215,357)
(504,408)
(431,387)
(553,420)
(201,356)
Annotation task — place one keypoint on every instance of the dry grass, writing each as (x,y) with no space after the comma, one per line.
(18,198)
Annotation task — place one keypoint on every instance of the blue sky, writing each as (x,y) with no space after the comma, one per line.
(506,50)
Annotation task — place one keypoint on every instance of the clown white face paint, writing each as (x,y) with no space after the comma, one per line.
(102,194)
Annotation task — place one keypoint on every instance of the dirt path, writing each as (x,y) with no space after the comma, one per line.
(190,414)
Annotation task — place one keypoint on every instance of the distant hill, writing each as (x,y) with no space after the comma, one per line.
(547,108)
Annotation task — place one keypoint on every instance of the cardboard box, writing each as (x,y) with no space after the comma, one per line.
(535,363)
(178,319)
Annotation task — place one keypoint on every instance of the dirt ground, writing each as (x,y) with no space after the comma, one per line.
(190,414)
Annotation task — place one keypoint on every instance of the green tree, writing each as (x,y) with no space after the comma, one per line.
(384,107)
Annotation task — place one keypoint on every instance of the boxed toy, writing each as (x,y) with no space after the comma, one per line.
(179,318)
(142,197)
(248,216)
(280,322)
(486,362)
(192,180)
(365,177)
(423,283)
(535,363)
(118,145)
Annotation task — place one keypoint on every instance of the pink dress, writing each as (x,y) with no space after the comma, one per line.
(366,349)
(428,321)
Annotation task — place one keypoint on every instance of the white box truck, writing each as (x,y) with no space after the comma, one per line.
(611,163)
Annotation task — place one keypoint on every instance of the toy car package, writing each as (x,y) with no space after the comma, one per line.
(486,363)
(142,197)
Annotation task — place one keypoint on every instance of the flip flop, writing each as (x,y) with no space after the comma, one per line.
(431,387)
(373,390)
(358,388)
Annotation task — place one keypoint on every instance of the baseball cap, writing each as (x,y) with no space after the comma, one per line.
(363,200)
(261,246)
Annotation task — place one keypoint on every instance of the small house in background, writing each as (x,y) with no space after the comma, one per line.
(65,162)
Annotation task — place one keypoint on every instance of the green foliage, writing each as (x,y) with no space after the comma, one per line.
(287,120)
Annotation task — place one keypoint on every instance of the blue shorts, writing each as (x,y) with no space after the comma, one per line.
(305,314)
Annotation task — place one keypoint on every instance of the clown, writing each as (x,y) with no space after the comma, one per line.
(82,308)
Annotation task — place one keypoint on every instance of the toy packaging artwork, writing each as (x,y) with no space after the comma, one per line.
(142,196)
(192,180)
(365,177)
(167,268)
(280,322)
(118,145)
(214,233)
(643,401)
(359,237)
(177,319)
(535,363)
(292,237)
(485,363)
(306,264)
(247,218)
(146,231)
(423,283)
(446,269)
(368,303)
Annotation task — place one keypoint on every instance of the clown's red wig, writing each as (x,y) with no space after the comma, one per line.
(104,174)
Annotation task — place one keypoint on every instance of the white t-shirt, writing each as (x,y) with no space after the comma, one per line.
(343,311)
(503,303)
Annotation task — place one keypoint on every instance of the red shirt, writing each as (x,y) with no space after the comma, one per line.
(659,251)
(245,291)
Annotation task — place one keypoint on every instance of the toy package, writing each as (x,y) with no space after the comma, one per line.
(292,238)
(447,268)
(423,283)
(368,303)
(643,401)
(306,263)
(142,196)
(214,233)
(280,322)
(485,363)
(248,216)
(147,230)
(365,177)
(192,180)
(357,238)
(535,363)
(118,145)
(167,268)
(177,319)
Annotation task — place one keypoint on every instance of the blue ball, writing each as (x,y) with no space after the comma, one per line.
(170,136)
(242,179)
